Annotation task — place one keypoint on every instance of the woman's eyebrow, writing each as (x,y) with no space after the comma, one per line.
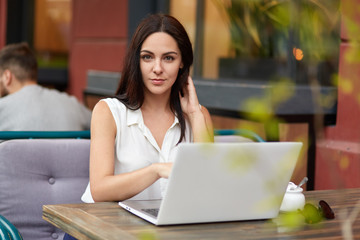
(147,51)
(171,52)
(167,53)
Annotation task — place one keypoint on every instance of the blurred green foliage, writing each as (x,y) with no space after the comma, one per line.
(53,61)
(261,28)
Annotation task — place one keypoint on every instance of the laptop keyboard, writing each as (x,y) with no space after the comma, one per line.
(151,211)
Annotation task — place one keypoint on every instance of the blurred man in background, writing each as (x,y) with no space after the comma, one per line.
(27,106)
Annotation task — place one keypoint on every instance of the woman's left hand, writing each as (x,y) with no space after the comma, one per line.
(189,101)
(199,117)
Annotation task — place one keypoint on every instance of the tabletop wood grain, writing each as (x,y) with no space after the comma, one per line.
(110,221)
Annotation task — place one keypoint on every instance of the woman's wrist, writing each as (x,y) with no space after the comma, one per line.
(155,169)
(197,113)
(161,169)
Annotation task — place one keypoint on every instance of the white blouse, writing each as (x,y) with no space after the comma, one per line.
(135,147)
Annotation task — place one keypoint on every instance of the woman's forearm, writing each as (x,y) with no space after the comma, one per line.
(126,185)
(202,126)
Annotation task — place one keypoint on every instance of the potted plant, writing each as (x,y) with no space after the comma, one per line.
(264,34)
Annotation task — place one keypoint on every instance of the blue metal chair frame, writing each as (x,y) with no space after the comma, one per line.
(8,231)
(86,134)
(7,135)
(241,132)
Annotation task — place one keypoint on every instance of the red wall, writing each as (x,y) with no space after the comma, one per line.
(3,15)
(338,154)
(99,39)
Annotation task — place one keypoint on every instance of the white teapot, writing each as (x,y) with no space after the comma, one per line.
(294,198)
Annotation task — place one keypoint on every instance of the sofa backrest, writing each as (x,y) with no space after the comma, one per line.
(35,172)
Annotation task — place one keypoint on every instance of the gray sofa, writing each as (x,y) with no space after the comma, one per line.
(34,172)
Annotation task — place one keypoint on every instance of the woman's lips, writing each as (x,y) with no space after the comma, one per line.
(157,81)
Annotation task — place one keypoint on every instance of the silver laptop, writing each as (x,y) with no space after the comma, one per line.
(217,182)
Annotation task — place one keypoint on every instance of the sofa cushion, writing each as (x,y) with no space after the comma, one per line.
(35,172)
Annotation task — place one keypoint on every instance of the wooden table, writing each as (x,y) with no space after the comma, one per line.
(109,221)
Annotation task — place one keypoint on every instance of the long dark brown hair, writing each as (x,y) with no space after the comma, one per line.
(131,88)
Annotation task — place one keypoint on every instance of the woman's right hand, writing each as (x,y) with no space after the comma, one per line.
(163,169)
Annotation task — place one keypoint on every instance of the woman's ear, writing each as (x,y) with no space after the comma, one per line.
(181,65)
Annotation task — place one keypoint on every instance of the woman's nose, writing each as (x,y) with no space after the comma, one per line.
(157,69)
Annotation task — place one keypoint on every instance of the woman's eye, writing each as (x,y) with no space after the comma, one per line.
(169,58)
(146,57)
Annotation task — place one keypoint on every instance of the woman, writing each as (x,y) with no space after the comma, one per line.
(134,135)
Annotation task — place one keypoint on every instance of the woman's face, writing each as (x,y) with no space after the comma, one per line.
(160,61)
